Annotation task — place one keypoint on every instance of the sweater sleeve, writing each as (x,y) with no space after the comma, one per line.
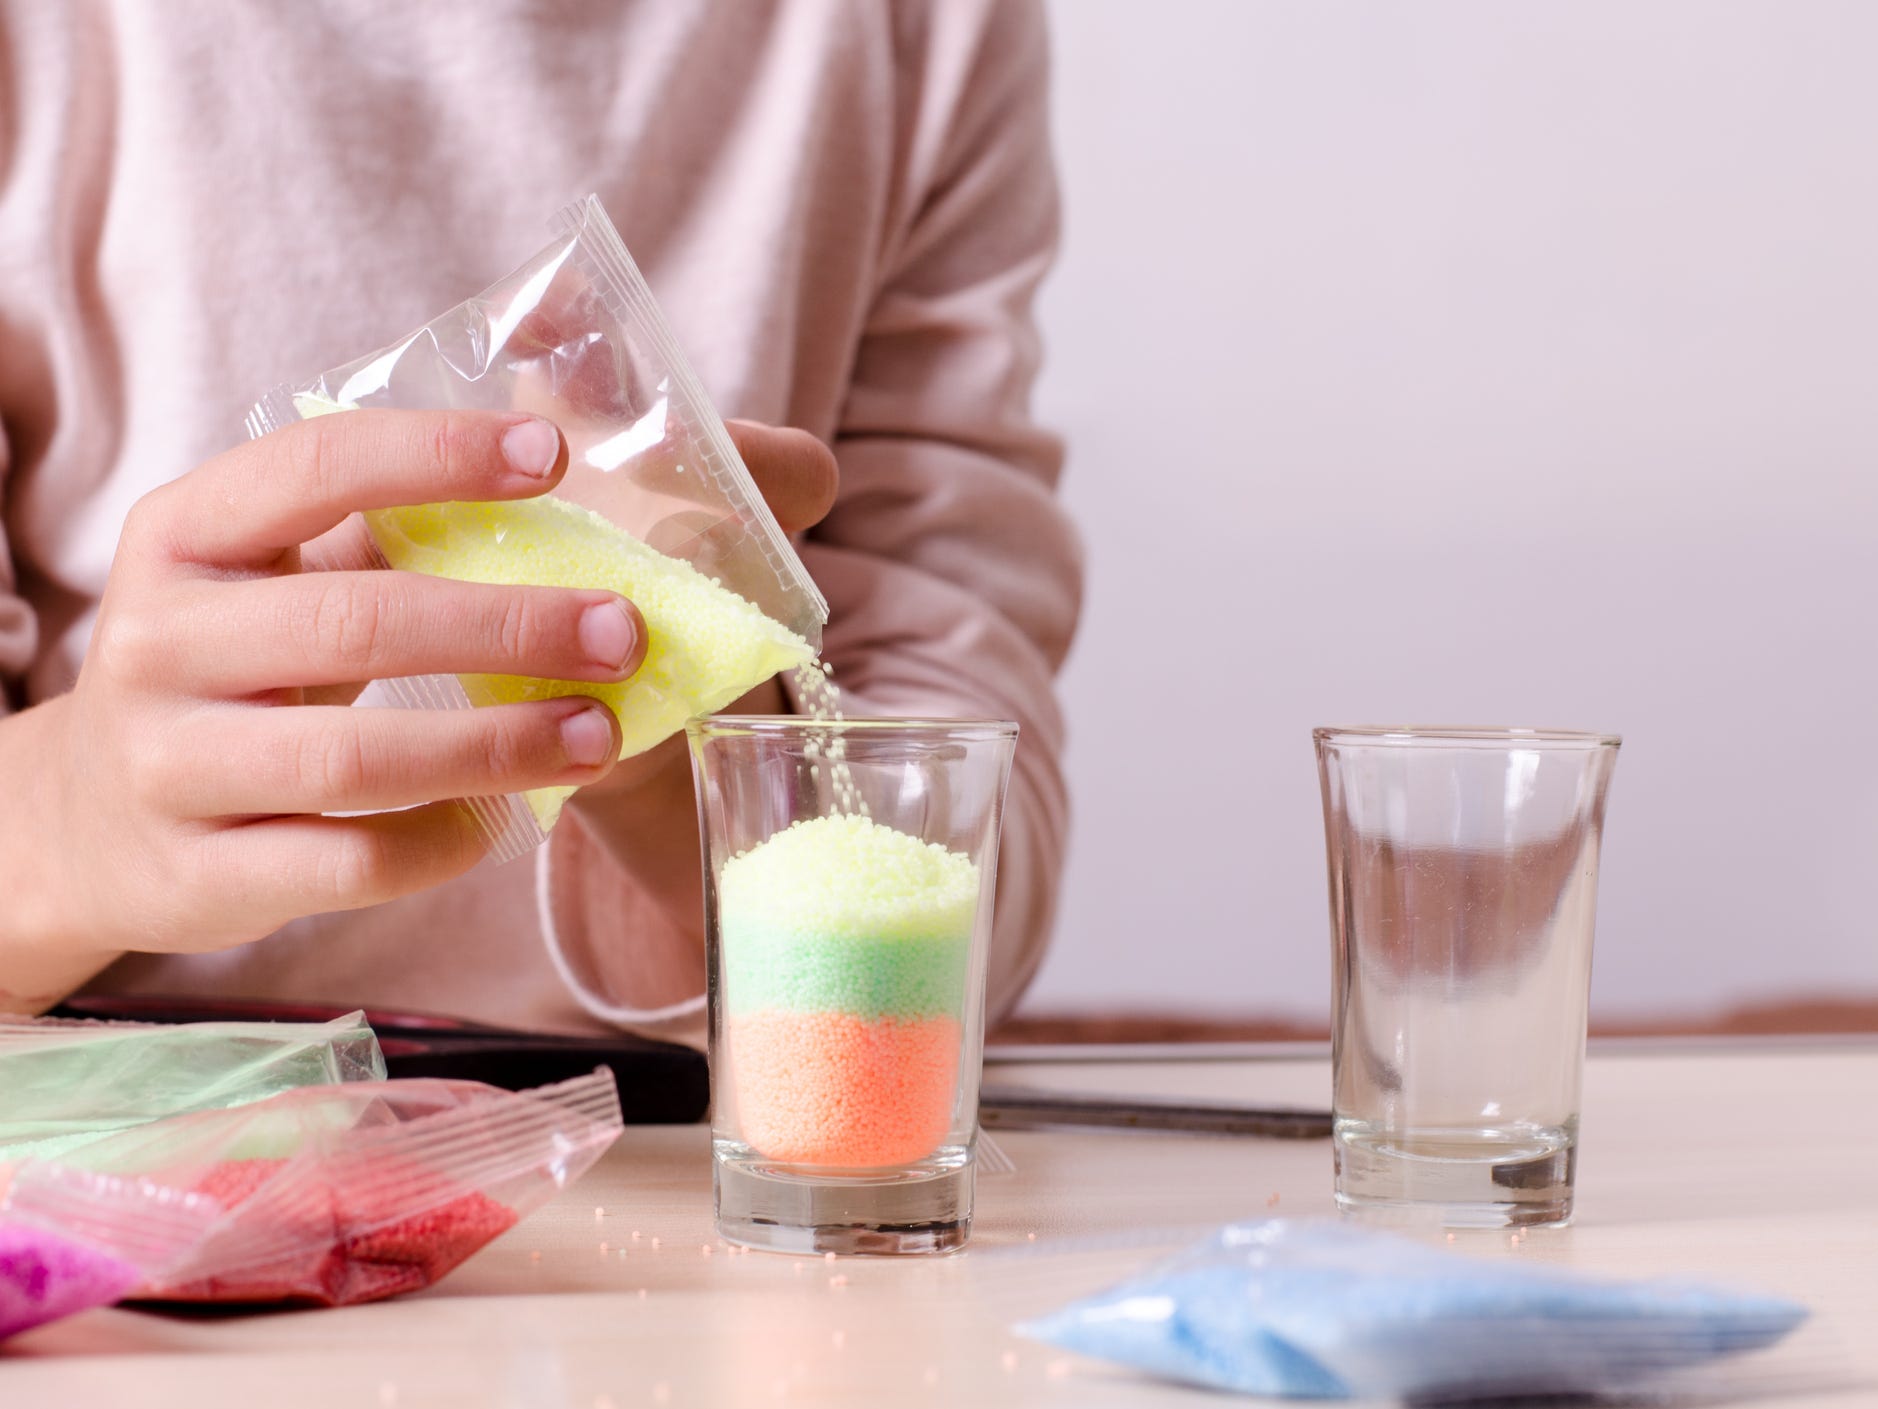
(952,573)
(18,630)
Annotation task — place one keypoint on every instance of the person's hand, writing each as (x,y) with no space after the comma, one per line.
(178,788)
(173,800)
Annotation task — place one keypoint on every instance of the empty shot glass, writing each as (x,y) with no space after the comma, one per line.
(1463,880)
(850,868)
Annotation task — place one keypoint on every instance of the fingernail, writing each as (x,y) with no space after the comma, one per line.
(587,736)
(532,448)
(607,634)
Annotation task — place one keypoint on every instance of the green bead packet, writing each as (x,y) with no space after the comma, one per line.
(69,1083)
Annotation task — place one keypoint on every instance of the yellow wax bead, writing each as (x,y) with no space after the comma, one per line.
(705,645)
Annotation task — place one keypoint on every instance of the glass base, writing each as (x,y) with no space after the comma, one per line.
(913,1209)
(1457,1178)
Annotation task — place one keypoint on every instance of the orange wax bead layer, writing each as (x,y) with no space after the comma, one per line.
(834,1089)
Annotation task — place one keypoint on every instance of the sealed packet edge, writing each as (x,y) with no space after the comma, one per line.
(595,237)
(273,410)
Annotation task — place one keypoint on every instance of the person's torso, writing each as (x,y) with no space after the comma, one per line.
(201,202)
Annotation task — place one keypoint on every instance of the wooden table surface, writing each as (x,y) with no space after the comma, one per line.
(1756,1165)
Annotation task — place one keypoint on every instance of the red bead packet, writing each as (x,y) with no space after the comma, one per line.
(334,1195)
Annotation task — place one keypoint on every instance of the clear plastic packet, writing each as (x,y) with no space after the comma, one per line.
(1328,1311)
(71,1240)
(341,1194)
(655,505)
(67,1082)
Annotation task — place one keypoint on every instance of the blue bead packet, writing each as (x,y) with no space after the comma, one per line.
(1326,1310)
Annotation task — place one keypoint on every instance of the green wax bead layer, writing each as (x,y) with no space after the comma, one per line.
(870,978)
(844,914)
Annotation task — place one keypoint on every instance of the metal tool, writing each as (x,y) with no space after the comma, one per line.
(1025,1108)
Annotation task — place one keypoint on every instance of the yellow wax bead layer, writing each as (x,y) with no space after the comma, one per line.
(847,877)
(705,645)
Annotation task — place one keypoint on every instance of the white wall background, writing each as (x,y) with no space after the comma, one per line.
(1470,363)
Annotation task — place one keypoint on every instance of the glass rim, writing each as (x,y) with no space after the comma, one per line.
(784,724)
(1460,734)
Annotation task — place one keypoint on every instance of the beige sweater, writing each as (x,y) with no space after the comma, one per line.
(844,207)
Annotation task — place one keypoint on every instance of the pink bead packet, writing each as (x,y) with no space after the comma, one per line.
(72,1239)
(333,1195)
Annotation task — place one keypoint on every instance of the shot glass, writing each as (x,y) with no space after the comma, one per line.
(850,868)
(1463,881)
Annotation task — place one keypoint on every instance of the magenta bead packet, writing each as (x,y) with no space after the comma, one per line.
(72,1239)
